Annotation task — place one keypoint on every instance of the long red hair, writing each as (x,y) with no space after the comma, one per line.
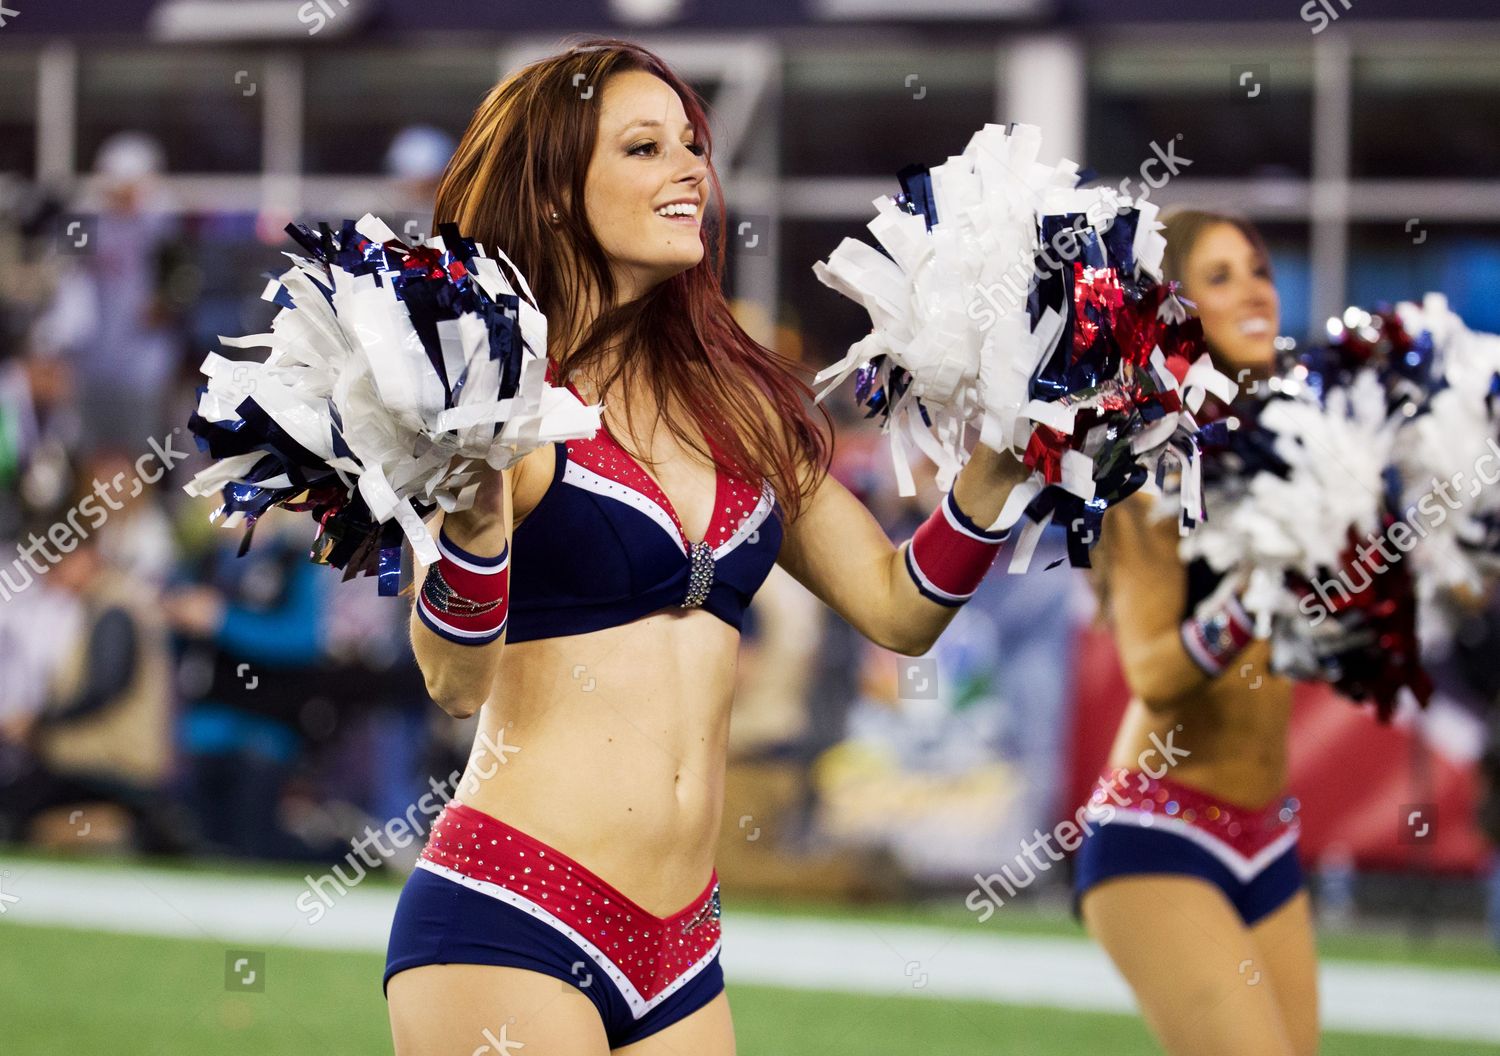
(525,154)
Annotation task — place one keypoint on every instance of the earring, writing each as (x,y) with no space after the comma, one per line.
(554,214)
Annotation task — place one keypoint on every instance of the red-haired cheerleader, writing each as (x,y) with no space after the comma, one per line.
(588,607)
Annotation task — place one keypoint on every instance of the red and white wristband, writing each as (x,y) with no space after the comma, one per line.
(1217,635)
(466,598)
(949,554)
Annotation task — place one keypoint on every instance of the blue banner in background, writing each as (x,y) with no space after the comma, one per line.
(1465,267)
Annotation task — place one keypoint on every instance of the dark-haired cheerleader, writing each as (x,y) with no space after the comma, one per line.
(1190,881)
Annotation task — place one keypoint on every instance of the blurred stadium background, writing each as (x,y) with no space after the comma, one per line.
(184,787)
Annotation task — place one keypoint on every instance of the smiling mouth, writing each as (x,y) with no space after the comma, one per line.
(682,212)
(1255,327)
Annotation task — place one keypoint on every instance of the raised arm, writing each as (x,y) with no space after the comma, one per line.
(459,652)
(838,550)
(1167,658)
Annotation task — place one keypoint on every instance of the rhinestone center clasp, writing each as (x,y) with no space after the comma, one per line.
(700,575)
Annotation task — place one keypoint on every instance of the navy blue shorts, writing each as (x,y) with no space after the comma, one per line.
(643,973)
(1127,850)
(1147,826)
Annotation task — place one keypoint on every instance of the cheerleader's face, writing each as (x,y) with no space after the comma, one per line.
(1231,284)
(647,183)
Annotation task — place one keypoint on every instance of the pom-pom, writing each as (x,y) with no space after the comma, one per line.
(397,376)
(1317,475)
(1006,299)
(1449,459)
(1302,506)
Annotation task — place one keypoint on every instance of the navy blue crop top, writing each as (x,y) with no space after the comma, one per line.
(604,546)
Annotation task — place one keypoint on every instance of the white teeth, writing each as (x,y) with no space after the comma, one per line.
(1256,325)
(678,209)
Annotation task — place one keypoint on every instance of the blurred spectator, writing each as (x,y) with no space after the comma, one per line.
(38,424)
(46,312)
(384,757)
(35,400)
(139,540)
(1033,618)
(415,161)
(128,359)
(253,659)
(101,742)
(37,622)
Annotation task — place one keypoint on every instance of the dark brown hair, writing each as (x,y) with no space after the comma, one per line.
(1184,227)
(525,154)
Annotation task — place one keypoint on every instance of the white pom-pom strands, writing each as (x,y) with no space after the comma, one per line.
(1005,299)
(396,376)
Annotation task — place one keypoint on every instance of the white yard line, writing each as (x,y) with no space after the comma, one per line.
(804,953)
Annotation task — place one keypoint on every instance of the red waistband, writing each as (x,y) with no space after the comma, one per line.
(1247,829)
(651,951)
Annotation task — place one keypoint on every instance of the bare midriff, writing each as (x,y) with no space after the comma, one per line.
(620,738)
(620,735)
(1235,731)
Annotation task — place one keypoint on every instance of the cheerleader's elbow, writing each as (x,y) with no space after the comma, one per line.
(457,676)
(458,707)
(461,684)
(903,635)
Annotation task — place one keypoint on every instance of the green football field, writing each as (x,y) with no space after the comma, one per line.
(66,986)
(66,991)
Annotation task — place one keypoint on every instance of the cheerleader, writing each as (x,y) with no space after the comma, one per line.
(588,606)
(1189,879)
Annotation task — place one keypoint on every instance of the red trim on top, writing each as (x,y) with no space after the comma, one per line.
(595,453)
